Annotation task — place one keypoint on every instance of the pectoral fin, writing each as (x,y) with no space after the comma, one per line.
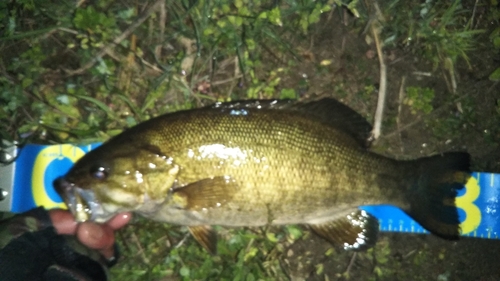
(356,231)
(206,193)
(206,236)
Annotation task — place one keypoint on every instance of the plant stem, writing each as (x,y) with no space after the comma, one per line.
(377,127)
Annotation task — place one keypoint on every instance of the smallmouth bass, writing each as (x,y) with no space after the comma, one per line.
(255,163)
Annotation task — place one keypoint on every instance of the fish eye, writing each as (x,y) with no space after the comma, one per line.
(99,172)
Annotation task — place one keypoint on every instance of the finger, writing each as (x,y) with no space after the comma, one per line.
(119,220)
(108,253)
(95,236)
(63,221)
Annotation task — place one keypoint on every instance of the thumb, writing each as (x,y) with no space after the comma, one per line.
(95,236)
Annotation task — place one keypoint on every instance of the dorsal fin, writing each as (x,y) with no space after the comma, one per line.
(327,110)
(257,104)
(338,115)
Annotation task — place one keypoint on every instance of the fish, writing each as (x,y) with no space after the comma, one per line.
(263,162)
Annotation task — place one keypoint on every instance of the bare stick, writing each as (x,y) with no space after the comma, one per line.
(451,70)
(351,262)
(473,14)
(377,127)
(162,22)
(400,106)
(117,40)
(141,249)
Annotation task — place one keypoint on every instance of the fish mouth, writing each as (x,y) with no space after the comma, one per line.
(82,203)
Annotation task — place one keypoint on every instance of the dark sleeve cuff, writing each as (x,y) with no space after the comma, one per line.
(44,254)
(33,220)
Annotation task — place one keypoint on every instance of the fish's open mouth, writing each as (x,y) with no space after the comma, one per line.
(81,202)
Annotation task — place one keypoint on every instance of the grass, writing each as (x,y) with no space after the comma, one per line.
(183,55)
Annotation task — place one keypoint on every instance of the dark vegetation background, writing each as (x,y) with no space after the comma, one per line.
(82,71)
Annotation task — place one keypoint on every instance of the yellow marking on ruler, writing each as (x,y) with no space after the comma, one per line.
(466,203)
(42,161)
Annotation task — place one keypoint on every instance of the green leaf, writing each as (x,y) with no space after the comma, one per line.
(251,253)
(238,4)
(294,231)
(496,42)
(250,44)
(99,104)
(319,269)
(495,76)
(26,82)
(275,16)
(184,272)
(288,93)
(271,237)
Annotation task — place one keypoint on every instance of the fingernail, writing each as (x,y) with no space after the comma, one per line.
(126,215)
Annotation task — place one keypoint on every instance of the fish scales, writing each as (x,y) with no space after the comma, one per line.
(288,168)
(253,163)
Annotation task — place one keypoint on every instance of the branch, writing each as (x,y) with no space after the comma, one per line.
(117,40)
(377,126)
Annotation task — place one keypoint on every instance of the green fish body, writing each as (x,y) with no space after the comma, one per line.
(258,163)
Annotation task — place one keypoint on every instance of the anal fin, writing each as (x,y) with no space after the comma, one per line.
(206,236)
(356,231)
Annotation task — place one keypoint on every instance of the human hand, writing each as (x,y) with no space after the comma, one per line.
(93,235)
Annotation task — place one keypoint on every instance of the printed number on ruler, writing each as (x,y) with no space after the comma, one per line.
(46,157)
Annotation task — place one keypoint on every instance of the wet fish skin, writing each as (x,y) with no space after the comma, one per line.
(257,163)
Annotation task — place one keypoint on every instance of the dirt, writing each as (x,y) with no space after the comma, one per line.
(354,67)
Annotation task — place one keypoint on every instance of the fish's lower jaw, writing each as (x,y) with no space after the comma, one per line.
(105,212)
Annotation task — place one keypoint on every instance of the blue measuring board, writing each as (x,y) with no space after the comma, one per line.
(478,209)
(37,166)
(35,169)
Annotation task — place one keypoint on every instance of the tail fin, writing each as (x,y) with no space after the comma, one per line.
(432,192)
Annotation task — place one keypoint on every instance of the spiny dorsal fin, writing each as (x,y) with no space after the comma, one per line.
(355,231)
(255,104)
(338,115)
(327,110)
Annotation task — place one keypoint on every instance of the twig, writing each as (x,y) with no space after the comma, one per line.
(80,2)
(449,65)
(473,14)
(72,31)
(349,266)
(141,249)
(383,82)
(117,40)
(150,65)
(400,106)
(182,241)
(162,22)
(220,82)
(421,73)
